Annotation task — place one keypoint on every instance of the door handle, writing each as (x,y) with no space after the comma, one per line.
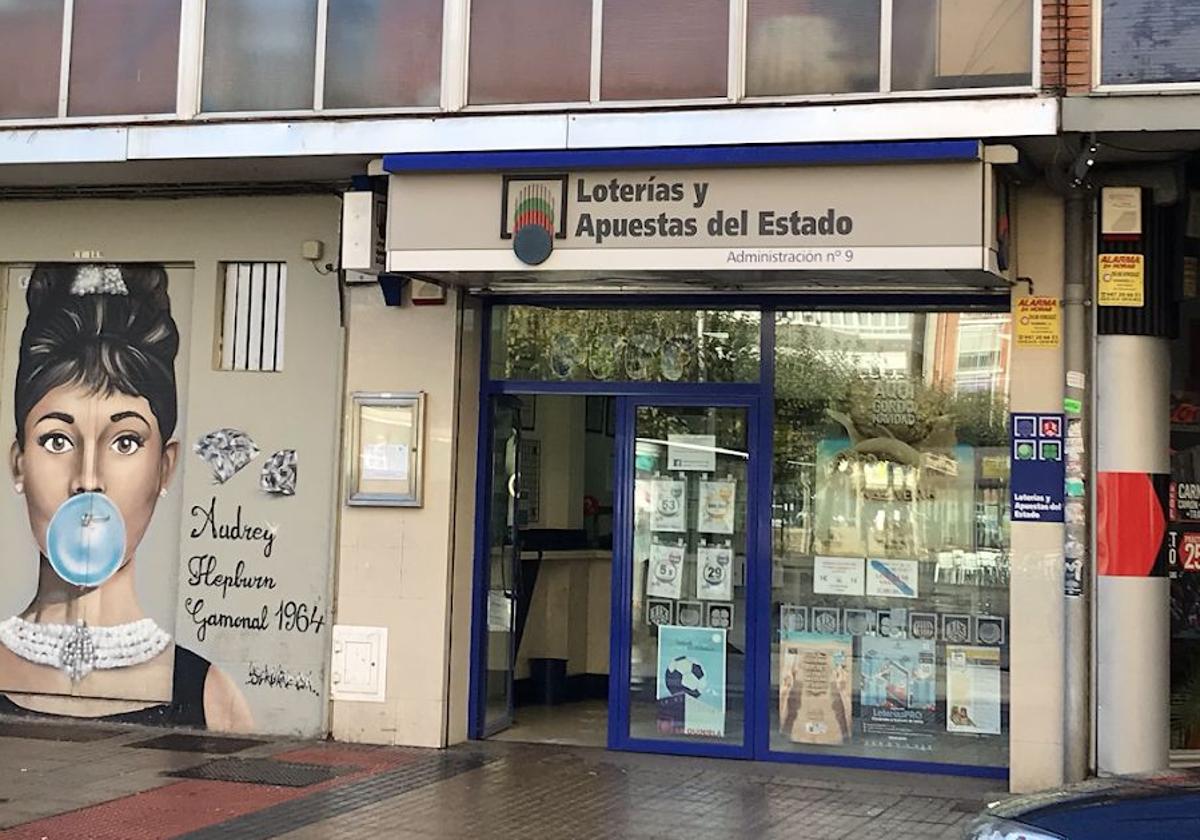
(512,485)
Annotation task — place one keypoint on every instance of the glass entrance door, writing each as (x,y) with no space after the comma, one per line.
(503,566)
(688,560)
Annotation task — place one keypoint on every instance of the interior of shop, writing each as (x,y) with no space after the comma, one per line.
(1185,476)
(562,530)
(886,581)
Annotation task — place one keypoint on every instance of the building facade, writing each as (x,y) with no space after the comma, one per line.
(712,379)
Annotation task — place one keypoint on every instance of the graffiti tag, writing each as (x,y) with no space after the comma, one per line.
(276,676)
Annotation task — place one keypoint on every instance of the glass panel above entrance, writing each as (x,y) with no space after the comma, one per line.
(625,345)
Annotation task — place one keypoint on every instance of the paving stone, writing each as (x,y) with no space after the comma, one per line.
(497,791)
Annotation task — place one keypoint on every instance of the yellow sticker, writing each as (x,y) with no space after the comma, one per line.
(1122,280)
(1039,322)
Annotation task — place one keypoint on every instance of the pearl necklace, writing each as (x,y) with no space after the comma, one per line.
(77,649)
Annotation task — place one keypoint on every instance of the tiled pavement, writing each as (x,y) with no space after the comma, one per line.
(107,789)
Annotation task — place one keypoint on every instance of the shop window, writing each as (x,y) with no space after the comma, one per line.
(669,49)
(805,47)
(383,53)
(530,51)
(253,306)
(939,44)
(259,55)
(890,540)
(124,57)
(30,58)
(1149,41)
(611,345)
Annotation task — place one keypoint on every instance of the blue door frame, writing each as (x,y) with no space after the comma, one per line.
(622,580)
(758,397)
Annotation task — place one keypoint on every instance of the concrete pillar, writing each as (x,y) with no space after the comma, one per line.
(1133,596)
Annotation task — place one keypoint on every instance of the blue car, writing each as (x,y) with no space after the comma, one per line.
(1153,807)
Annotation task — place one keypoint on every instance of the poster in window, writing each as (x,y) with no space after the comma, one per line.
(898,699)
(814,688)
(665,577)
(714,573)
(888,578)
(668,505)
(838,575)
(691,681)
(793,621)
(973,690)
(717,504)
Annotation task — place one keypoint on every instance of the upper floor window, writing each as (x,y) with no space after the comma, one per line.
(122,57)
(682,49)
(262,55)
(1148,41)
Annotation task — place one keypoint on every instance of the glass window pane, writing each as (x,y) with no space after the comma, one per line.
(1149,41)
(259,55)
(961,43)
(687,658)
(383,53)
(802,46)
(890,538)
(30,57)
(614,345)
(125,58)
(530,51)
(667,49)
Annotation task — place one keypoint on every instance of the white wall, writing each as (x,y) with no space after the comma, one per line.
(396,566)
(1036,600)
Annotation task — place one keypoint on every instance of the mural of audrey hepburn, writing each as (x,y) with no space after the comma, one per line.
(96,409)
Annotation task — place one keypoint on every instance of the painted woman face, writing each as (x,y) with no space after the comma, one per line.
(77,441)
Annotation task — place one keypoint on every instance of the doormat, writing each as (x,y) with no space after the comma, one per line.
(80,733)
(211,744)
(258,771)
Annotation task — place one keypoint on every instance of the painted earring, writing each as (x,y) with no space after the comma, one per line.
(163,493)
(20,488)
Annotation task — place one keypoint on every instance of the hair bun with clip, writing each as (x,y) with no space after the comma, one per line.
(98,280)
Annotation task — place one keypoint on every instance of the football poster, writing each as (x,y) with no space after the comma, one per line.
(814,688)
(691,681)
(898,698)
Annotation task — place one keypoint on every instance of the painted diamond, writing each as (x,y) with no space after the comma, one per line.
(279,474)
(226,451)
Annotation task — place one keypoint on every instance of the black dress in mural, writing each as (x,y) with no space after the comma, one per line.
(94,453)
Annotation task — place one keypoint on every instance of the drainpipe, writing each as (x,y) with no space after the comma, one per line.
(1078,570)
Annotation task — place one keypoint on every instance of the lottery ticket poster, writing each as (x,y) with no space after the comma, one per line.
(714,579)
(668,505)
(665,576)
(898,699)
(718,501)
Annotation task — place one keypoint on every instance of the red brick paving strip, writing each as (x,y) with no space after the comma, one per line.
(193,804)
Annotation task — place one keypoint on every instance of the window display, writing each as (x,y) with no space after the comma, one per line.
(890,529)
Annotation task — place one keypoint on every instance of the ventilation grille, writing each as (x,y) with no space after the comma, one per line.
(252,331)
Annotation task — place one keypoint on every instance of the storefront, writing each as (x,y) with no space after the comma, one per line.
(743,473)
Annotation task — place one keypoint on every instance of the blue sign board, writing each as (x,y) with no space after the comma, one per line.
(1036,485)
